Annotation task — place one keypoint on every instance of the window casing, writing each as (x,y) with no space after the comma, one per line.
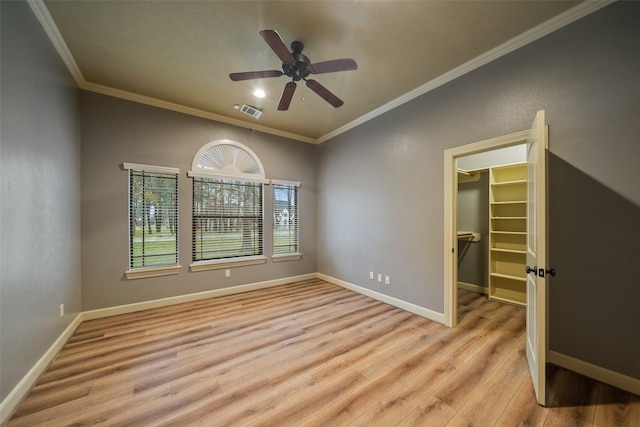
(227,219)
(286,226)
(153,220)
(227,213)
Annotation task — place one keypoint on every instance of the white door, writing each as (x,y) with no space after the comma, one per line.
(537,256)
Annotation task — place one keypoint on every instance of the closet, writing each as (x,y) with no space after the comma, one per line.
(491,207)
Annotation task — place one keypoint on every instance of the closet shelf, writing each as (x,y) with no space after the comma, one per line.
(505,183)
(509,276)
(511,251)
(507,233)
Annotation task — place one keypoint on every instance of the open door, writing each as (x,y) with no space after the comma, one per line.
(537,256)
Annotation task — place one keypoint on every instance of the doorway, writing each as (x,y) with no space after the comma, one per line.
(491,227)
(480,154)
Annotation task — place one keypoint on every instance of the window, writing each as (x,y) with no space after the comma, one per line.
(286,226)
(228,213)
(153,220)
(227,219)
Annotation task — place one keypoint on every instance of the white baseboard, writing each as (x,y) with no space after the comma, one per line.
(10,403)
(473,288)
(145,305)
(20,391)
(606,376)
(412,308)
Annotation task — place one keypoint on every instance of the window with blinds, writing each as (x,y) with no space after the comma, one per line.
(286,227)
(153,217)
(227,219)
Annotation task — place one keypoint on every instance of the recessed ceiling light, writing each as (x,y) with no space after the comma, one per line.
(259,93)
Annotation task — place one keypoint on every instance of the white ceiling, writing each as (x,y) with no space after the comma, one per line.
(178,54)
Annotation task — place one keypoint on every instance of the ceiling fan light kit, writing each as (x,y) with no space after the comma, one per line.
(297,67)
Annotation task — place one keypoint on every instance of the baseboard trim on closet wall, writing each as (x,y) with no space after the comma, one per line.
(412,308)
(606,376)
(473,288)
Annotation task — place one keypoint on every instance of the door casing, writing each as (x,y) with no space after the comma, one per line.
(450,212)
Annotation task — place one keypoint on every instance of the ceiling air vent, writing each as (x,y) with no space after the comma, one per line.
(252,111)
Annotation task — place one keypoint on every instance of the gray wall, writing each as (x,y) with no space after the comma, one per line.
(116,131)
(473,215)
(40,195)
(385,177)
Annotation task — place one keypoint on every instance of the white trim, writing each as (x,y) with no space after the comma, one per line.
(141,273)
(163,302)
(281,182)
(412,308)
(41,12)
(10,403)
(155,102)
(604,375)
(450,206)
(579,11)
(286,257)
(529,36)
(150,168)
(196,169)
(473,288)
(227,263)
(245,177)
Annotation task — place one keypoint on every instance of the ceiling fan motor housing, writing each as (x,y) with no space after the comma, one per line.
(301,68)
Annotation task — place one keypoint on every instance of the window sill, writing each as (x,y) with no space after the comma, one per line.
(227,263)
(141,273)
(286,257)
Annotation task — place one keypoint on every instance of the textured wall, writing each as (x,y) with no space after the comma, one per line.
(386,179)
(473,215)
(40,195)
(116,131)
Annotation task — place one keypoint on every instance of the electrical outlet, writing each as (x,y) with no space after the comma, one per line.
(386,280)
(227,273)
(371,275)
(379,277)
(61,310)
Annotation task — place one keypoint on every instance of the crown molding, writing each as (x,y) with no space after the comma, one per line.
(155,102)
(531,35)
(41,12)
(583,9)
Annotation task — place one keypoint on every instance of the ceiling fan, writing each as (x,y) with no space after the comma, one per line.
(298,67)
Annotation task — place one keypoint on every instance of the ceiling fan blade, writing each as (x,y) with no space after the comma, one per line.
(286,97)
(254,75)
(276,44)
(344,64)
(324,93)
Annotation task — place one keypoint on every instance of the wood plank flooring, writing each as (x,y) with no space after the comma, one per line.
(309,354)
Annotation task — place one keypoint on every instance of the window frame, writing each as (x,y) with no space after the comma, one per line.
(229,160)
(160,269)
(293,255)
(257,214)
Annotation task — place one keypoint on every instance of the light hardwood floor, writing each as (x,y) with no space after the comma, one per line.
(309,354)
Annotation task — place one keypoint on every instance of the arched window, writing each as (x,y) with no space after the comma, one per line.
(228,197)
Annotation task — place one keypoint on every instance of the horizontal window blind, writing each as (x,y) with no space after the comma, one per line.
(153,219)
(286,228)
(227,219)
